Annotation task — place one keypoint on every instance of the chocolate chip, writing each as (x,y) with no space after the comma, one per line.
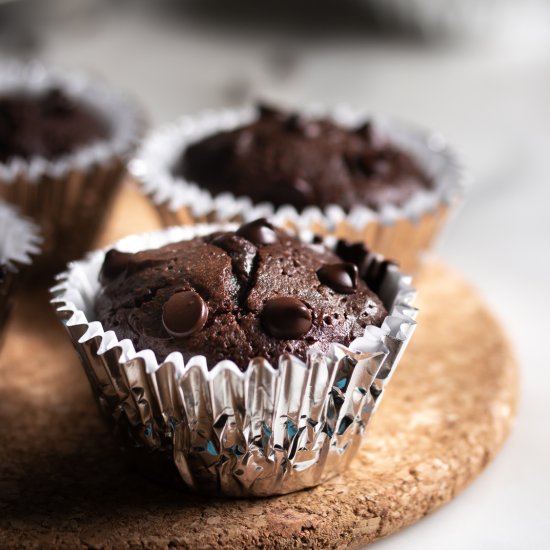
(258,232)
(340,277)
(286,317)
(375,391)
(267,111)
(355,253)
(115,263)
(376,274)
(365,130)
(55,102)
(299,124)
(184,313)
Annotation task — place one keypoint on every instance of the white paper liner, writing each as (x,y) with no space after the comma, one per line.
(260,432)
(19,238)
(159,153)
(117,110)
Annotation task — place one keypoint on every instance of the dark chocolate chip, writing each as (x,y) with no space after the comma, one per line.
(376,273)
(294,123)
(258,232)
(355,253)
(184,313)
(365,130)
(286,317)
(115,263)
(299,124)
(340,277)
(55,102)
(267,111)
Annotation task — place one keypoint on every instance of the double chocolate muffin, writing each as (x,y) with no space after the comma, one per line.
(48,125)
(255,292)
(65,141)
(287,158)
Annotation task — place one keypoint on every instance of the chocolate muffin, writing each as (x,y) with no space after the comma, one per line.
(286,158)
(255,292)
(65,141)
(48,125)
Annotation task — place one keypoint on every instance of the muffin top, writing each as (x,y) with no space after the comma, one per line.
(255,292)
(285,158)
(48,125)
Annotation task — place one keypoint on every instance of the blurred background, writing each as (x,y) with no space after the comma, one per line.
(477,70)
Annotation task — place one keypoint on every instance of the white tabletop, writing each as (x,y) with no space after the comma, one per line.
(490,97)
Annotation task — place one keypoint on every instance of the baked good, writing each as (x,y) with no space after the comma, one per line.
(371,179)
(185,336)
(49,125)
(286,158)
(237,295)
(65,140)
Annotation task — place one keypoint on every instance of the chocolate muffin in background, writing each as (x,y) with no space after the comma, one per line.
(65,140)
(255,292)
(286,158)
(48,125)
(376,180)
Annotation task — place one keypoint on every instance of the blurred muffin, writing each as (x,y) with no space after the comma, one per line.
(375,181)
(64,144)
(19,243)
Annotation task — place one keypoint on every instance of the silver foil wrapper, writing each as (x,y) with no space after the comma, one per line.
(269,430)
(400,233)
(69,197)
(20,240)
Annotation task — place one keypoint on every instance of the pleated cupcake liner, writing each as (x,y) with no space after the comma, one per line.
(20,242)
(69,197)
(400,233)
(271,429)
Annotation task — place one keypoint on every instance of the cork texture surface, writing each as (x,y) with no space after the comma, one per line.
(64,483)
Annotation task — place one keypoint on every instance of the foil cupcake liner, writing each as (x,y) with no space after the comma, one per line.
(271,429)
(401,234)
(19,242)
(69,197)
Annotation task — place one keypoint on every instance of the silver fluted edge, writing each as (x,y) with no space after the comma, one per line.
(269,430)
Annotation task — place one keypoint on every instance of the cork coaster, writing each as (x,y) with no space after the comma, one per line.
(63,482)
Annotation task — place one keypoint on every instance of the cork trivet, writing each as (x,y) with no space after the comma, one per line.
(64,484)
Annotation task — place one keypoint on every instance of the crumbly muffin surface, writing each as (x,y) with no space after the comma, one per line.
(256,292)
